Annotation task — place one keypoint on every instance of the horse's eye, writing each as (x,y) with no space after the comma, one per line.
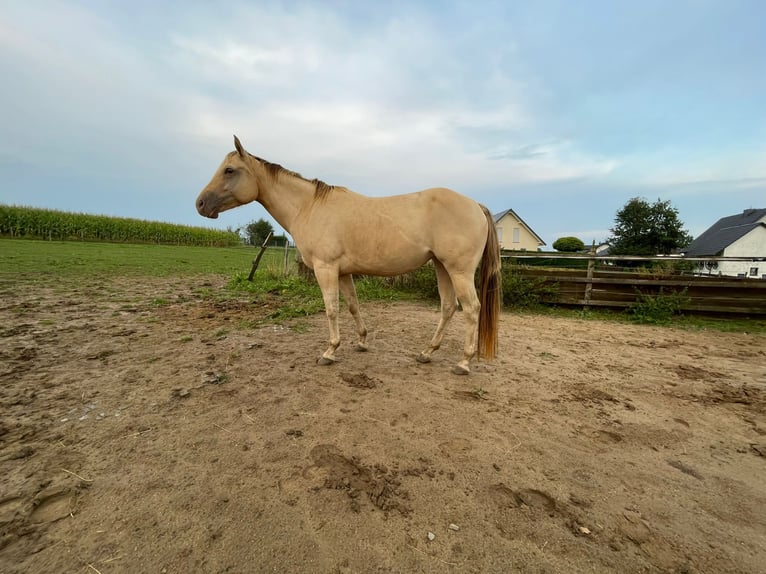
(228,170)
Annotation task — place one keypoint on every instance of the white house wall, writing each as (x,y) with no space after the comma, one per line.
(751,245)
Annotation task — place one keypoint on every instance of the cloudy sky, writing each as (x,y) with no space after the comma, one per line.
(560,110)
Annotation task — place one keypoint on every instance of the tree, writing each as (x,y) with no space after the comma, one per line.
(257,231)
(568,244)
(642,228)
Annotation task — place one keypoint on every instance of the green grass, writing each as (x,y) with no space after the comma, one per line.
(378,289)
(39,259)
(686,322)
(293,296)
(26,263)
(290,295)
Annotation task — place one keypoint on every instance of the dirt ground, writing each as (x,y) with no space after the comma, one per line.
(145,429)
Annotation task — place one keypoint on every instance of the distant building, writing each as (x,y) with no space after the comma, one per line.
(740,235)
(513,233)
(601,249)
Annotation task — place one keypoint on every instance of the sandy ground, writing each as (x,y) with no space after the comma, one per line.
(145,429)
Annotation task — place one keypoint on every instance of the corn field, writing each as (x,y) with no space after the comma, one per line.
(31,223)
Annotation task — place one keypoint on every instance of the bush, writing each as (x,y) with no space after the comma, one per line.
(657,309)
(524,292)
(303,297)
(421,281)
(568,244)
(518,292)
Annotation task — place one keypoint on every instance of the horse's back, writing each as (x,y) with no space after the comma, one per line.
(393,234)
(436,206)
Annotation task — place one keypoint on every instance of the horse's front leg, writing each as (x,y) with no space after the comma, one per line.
(327,277)
(349,294)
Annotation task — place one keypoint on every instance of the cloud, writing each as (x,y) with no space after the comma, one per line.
(525,151)
(356,143)
(676,172)
(543,108)
(84,101)
(392,109)
(239,64)
(359,111)
(397,105)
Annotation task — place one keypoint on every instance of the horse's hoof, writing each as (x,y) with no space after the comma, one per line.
(460,370)
(324,361)
(360,348)
(421,358)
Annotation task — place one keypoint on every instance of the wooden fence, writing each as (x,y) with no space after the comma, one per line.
(602,287)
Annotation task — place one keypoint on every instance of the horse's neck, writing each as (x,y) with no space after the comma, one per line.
(284,196)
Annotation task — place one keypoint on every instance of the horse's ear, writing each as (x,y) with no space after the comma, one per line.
(238,145)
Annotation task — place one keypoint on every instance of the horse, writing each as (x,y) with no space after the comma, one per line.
(340,233)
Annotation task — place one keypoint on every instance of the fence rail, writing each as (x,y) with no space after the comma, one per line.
(619,289)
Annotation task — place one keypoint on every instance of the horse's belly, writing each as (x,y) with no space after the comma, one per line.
(385,264)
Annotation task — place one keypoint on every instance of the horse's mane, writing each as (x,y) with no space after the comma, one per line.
(275,170)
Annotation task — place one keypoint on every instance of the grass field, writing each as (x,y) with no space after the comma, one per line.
(25,263)
(36,259)
(29,263)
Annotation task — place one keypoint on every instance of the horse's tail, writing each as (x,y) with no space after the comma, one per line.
(490,291)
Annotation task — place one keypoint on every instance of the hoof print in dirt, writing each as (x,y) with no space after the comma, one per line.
(359,381)
(685,468)
(477,394)
(504,496)
(180,393)
(52,507)
(379,485)
(213,378)
(534,498)
(56,502)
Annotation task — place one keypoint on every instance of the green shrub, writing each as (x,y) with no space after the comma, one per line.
(421,282)
(568,244)
(303,297)
(657,309)
(524,292)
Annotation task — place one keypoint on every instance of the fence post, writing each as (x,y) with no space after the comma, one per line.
(257,259)
(589,276)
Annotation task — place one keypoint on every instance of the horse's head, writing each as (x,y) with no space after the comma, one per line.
(234,184)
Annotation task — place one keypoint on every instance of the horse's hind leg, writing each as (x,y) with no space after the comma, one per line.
(448,307)
(466,294)
(346,283)
(327,277)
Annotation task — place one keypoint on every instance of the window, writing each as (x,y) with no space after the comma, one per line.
(499,234)
(753,272)
(515,234)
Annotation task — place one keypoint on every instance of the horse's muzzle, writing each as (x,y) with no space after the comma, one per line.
(207,206)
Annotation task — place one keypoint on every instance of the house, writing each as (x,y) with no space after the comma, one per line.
(601,249)
(513,233)
(740,235)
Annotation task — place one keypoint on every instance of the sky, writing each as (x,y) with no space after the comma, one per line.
(562,111)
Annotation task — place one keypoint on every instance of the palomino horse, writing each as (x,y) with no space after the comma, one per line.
(340,233)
